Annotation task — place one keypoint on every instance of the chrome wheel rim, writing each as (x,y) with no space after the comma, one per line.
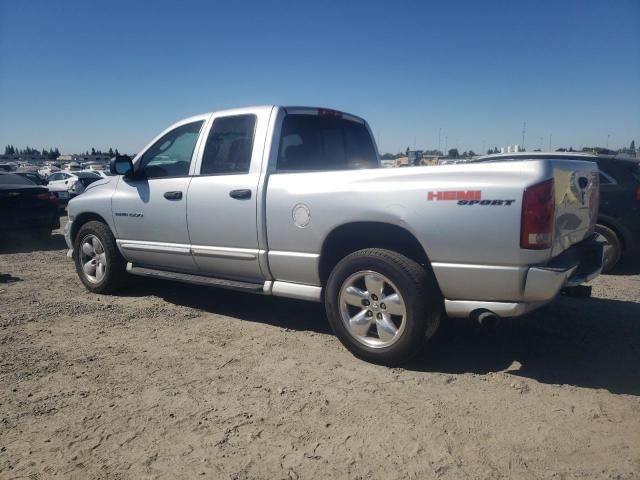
(607,249)
(93,260)
(372,309)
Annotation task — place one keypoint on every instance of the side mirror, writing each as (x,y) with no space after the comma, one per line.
(121,165)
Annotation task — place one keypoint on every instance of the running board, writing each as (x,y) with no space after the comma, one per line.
(195,279)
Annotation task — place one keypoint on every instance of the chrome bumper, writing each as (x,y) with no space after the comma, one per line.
(578,264)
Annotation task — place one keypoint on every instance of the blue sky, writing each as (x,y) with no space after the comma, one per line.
(82,74)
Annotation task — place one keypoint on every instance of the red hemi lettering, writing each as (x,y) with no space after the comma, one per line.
(456,195)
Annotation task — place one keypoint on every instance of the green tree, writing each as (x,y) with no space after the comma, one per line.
(453,153)
(632,148)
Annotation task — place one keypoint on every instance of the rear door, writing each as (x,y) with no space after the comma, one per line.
(149,210)
(222,205)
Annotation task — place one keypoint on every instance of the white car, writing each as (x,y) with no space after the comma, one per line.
(67,184)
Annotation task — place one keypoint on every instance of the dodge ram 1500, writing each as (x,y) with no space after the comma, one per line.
(292,201)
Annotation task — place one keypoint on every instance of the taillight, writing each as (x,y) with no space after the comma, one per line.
(538,212)
(49,197)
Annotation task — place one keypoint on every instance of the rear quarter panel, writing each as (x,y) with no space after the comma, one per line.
(452,235)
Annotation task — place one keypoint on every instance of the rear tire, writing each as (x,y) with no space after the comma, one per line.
(612,247)
(100,266)
(382,305)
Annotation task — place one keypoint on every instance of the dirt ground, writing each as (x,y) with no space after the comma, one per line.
(175,381)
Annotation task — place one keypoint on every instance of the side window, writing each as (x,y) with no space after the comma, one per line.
(171,155)
(53,177)
(313,142)
(229,145)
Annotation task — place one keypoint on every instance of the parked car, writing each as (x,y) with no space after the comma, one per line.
(618,226)
(74,182)
(32,175)
(47,170)
(292,201)
(27,207)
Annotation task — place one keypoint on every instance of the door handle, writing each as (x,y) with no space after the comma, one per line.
(173,195)
(240,194)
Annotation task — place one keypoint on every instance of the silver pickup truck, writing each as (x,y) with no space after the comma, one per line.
(291,201)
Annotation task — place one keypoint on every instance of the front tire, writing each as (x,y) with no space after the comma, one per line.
(99,264)
(382,305)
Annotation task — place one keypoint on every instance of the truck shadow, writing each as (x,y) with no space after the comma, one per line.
(280,312)
(589,343)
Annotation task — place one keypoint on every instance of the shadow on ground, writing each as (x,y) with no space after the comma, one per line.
(280,312)
(591,343)
(627,266)
(25,243)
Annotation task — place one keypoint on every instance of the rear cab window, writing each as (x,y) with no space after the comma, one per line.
(324,142)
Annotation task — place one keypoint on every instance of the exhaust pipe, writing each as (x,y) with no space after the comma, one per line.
(486,318)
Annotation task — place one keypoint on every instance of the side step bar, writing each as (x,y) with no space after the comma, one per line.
(195,279)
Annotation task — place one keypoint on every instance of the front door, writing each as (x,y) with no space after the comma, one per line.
(149,209)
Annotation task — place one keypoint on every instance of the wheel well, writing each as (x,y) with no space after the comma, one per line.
(618,231)
(351,237)
(81,219)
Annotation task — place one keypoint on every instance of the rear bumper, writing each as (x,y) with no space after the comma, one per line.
(542,283)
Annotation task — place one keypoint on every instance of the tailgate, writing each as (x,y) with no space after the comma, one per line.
(577,193)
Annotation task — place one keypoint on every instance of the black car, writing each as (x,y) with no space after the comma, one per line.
(619,213)
(26,207)
(35,177)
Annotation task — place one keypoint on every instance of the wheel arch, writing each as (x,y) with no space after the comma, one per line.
(350,237)
(617,228)
(82,219)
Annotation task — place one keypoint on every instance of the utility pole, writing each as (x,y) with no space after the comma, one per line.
(439,135)
(446,142)
(540,143)
(608,135)
(524,130)
(550,136)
